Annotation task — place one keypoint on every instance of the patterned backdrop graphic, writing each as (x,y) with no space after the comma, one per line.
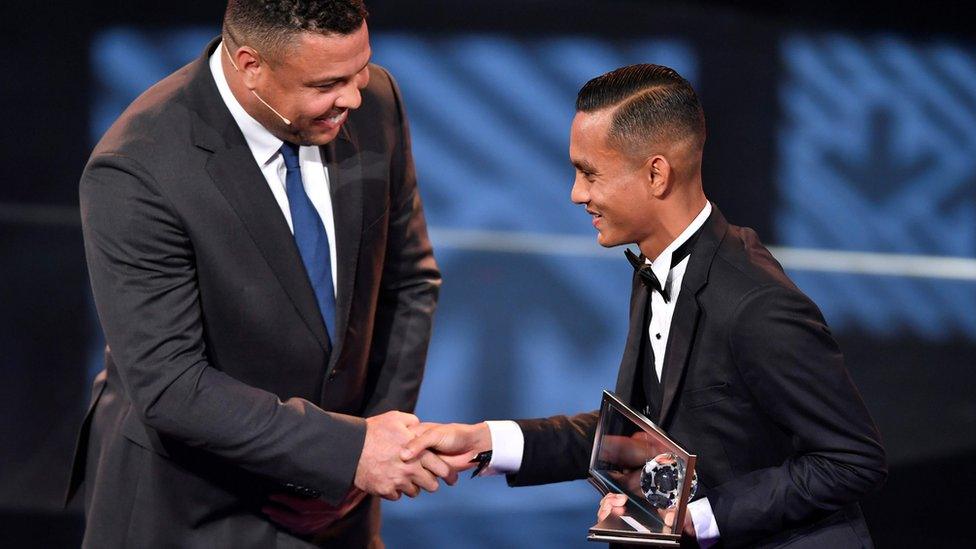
(878,153)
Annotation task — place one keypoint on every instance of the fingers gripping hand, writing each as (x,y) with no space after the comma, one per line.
(437,466)
(455,444)
(422,477)
(381,471)
(611,503)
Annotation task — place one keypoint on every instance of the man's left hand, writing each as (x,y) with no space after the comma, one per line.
(616,504)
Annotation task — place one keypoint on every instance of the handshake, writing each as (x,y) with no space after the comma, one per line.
(401,455)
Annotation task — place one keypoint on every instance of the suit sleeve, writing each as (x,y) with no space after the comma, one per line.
(795,371)
(409,286)
(556,449)
(143,276)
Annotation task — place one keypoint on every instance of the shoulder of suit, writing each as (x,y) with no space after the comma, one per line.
(381,82)
(154,122)
(382,96)
(378,120)
(742,263)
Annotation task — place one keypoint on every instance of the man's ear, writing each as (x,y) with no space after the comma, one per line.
(657,170)
(250,65)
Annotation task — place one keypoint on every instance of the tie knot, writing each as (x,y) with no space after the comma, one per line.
(289,151)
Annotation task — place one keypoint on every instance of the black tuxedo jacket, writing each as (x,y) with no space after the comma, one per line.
(221,384)
(754,384)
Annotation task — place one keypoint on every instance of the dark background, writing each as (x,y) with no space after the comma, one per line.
(886,167)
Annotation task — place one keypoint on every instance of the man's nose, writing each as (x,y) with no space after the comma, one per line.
(580,194)
(350,97)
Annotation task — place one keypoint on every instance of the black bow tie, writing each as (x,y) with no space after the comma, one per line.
(647,275)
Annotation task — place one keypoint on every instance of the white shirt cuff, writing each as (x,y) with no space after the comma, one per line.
(507,445)
(706,529)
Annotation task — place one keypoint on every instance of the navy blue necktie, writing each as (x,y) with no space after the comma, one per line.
(310,235)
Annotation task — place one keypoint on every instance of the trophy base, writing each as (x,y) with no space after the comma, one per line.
(632,541)
(616,529)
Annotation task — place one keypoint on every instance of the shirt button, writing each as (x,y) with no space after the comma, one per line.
(657,336)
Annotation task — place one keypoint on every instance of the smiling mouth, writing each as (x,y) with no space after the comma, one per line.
(596,218)
(334,119)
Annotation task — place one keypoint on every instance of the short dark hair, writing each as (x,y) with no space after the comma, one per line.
(269,25)
(653,103)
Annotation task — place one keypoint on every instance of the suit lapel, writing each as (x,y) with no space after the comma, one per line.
(239,179)
(684,322)
(345,183)
(628,364)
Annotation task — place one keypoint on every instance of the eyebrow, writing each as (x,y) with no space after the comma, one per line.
(584,166)
(332,79)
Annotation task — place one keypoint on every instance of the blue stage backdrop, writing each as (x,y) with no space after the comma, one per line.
(875,154)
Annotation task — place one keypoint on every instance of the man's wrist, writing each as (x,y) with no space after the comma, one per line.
(483,440)
(507,443)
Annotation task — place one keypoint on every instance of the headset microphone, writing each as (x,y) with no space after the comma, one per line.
(263,102)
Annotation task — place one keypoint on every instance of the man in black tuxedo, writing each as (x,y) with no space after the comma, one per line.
(724,352)
(262,272)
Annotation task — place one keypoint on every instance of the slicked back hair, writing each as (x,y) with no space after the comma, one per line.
(653,104)
(270,25)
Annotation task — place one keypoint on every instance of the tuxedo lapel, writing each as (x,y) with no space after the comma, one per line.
(345,182)
(628,364)
(684,322)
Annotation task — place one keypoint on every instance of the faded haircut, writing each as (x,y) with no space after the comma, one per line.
(652,104)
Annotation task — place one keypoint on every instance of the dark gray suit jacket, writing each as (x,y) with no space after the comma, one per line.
(221,385)
(755,385)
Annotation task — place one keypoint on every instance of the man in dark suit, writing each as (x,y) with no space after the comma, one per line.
(724,352)
(261,269)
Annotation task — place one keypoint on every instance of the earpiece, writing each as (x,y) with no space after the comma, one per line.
(263,102)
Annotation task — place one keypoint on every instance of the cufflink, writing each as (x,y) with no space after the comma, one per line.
(482,459)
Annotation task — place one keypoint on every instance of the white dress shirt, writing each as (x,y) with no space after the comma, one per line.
(662,312)
(266,149)
(507,440)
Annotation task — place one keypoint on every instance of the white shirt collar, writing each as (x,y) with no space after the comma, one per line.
(662,263)
(263,144)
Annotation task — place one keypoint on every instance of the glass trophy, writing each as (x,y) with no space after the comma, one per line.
(633,456)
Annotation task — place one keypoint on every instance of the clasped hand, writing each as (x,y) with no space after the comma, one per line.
(400,456)
(383,472)
(404,456)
